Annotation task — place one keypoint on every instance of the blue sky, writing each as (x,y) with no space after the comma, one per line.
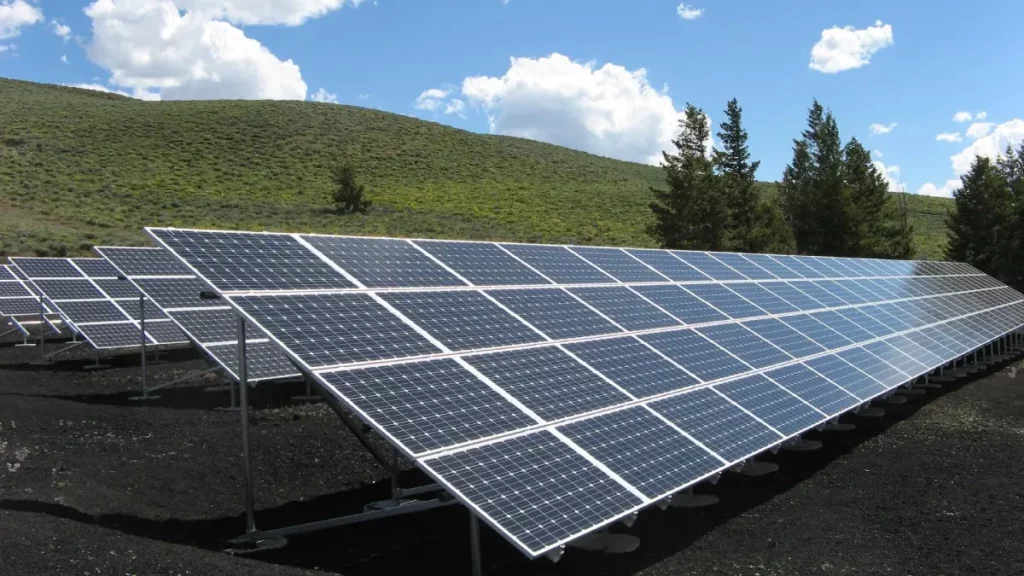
(607,77)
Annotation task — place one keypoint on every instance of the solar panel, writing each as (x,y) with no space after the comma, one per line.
(95,267)
(46,268)
(510,393)
(118,289)
(13,289)
(383,263)
(69,289)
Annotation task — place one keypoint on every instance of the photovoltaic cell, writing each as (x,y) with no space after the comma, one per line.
(165,332)
(814,290)
(46,268)
(126,335)
(838,265)
(264,361)
(117,289)
(821,266)
(633,366)
(814,389)
(559,264)
(131,307)
(210,325)
(554,312)
(879,369)
(69,289)
(619,264)
(792,296)
(837,290)
(848,329)
(18,306)
(860,289)
(383,262)
(508,479)
(696,354)
(821,334)
(144,261)
(667,264)
(548,381)
(864,321)
(797,265)
(625,307)
(13,290)
(426,406)
(742,265)
(846,375)
(333,329)
(762,298)
(6,274)
(482,263)
(177,293)
(250,261)
(680,303)
(462,320)
(902,362)
(786,338)
(708,265)
(773,405)
(745,345)
(643,450)
(718,424)
(95,267)
(92,311)
(725,300)
(773,266)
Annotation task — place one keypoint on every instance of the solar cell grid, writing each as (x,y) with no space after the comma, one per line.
(209,325)
(902,362)
(792,296)
(482,263)
(95,267)
(910,344)
(18,306)
(742,265)
(554,312)
(763,298)
(427,406)
(680,303)
(797,265)
(777,269)
(117,289)
(814,389)
(786,338)
(698,355)
(264,361)
(559,264)
(773,405)
(839,266)
(643,450)
(837,290)
(131,307)
(165,332)
(6,274)
(625,307)
(383,262)
(708,264)
(865,321)
(886,374)
(144,261)
(745,345)
(856,266)
(843,326)
(177,292)
(667,264)
(814,290)
(861,289)
(46,268)
(819,266)
(92,311)
(619,264)
(462,320)
(548,381)
(69,290)
(816,331)
(725,300)
(846,375)
(122,335)
(633,366)
(13,290)
(891,322)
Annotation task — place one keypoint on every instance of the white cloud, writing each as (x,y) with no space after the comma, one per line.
(432,99)
(689,12)
(991,145)
(149,45)
(847,48)
(64,58)
(15,15)
(877,153)
(455,106)
(6,48)
(62,30)
(945,191)
(609,110)
(248,12)
(878,129)
(139,94)
(363,96)
(979,129)
(322,95)
(949,137)
(961,117)
(891,174)
(981,115)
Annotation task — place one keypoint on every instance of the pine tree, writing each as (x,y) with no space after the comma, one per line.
(879,224)
(348,194)
(736,179)
(1011,166)
(980,226)
(689,214)
(771,233)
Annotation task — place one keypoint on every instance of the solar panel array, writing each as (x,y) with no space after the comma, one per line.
(21,305)
(87,294)
(211,324)
(555,389)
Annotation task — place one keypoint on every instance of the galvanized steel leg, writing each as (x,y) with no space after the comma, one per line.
(474,545)
(243,385)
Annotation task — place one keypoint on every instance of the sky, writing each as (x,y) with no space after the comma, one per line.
(925,85)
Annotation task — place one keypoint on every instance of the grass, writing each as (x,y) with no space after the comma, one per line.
(80,168)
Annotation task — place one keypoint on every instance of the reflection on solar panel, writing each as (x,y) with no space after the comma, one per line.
(211,324)
(16,297)
(553,410)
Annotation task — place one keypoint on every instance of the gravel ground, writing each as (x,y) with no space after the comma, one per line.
(92,482)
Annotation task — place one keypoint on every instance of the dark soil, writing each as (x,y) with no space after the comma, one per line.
(92,482)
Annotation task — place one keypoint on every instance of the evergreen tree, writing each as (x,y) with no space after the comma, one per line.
(1011,166)
(736,180)
(348,194)
(899,233)
(771,233)
(980,226)
(879,224)
(689,214)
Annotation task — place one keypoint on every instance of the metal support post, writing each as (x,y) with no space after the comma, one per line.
(396,492)
(42,336)
(142,342)
(243,385)
(474,545)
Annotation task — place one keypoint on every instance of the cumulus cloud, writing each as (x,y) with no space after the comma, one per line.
(61,30)
(847,48)
(322,95)
(138,94)
(432,99)
(979,129)
(877,153)
(6,48)
(949,137)
(891,174)
(455,106)
(687,12)
(64,58)
(961,117)
(248,12)
(991,145)
(981,115)
(16,14)
(878,129)
(944,191)
(149,45)
(610,111)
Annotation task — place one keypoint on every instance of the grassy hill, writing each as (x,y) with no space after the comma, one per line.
(79,168)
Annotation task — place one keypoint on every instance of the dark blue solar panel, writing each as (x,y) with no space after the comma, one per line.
(329,329)
(643,450)
(892,323)
(708,265)
(816,331)
(81,289)
(383,262)
(667,264)
(548,381)
(462,320)
(839,265)
(778,269)
(943,340)
(118,288)
(762,298)
(861,289)
(725,300)
(846,375)
(95,267)
(6,274)
(92,311)
(814,389)
(698,355)
(619,264)
(797,265)
(508,479)
(680,303)
(876,286)
(784,337)
(903,313)
(625,307)
(165,332)
(559,264)
(821,266)
(46,268)
(862,320)
(742,265)
(848,329)
(902,362)
(144,261)
(745,344)
(428,405)
(840,292)
(815,291)
(792,296)
(554,312)
(718,424)
(855,265)
(632,365)
(773,405)
(879,369)
(917,347)
(482,263)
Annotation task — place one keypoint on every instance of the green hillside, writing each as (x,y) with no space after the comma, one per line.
(79,168)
